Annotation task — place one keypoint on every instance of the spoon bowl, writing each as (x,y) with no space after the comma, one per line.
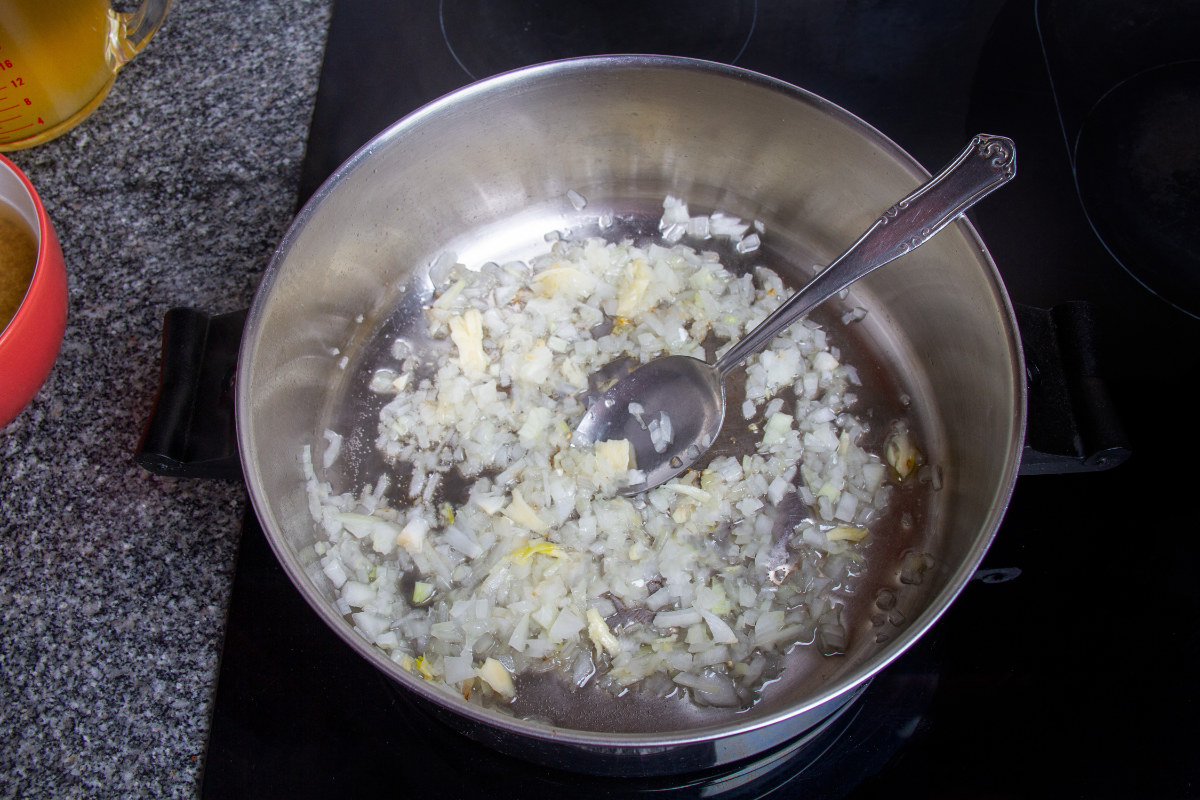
(684,395)
(671,409)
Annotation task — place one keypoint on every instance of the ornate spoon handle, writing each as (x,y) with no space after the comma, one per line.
(987,163)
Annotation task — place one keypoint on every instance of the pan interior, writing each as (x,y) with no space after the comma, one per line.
(485,175)
(352,409)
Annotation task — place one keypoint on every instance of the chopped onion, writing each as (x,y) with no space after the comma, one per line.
(333,450)
(540,564)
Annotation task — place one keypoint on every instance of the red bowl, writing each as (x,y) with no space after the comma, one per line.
(30,342)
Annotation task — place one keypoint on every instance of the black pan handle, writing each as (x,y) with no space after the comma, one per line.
(1072,423)
(191,431)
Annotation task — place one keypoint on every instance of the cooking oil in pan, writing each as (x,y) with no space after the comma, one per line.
(875,602)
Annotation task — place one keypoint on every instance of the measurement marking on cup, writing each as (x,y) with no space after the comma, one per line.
(14,130)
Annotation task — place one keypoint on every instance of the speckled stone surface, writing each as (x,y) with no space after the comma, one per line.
(114,583)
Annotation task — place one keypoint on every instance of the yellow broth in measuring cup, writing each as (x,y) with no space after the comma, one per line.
(58,59)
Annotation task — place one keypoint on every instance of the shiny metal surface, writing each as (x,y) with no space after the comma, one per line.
(484,173)
(692,393)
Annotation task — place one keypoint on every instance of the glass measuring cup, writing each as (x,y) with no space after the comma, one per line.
(58,60)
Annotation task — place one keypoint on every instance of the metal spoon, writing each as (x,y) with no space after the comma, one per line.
(692,392)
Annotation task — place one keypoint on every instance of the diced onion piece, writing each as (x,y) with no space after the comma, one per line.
(450,295)
(694,492)
(541,547)
(902,454)
(661,433)
(845,533)
(466,332)
(601,636)
(565,625)
(457,669)
(358,524)
(521,513)
(677,619)
(720,630)
(358,594)
(563,281)
(912,570)
(776,429)
(336,572)
(748,244)
(412,535)
(332,450)
(615,456)
(371,625)
(422,591)
(384,536)
(710,689)
(825,362)
(490,503)
(634,295)
(496,676)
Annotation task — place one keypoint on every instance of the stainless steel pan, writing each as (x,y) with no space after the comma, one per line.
(485,173)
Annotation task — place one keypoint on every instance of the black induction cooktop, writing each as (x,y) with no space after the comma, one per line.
(1068,666)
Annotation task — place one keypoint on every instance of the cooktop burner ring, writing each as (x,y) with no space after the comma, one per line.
(1137,174)
(524,32)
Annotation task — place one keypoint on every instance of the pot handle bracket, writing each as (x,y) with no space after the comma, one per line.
(1073,425)
(191,432)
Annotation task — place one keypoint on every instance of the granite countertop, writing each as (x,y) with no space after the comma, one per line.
(114,583)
